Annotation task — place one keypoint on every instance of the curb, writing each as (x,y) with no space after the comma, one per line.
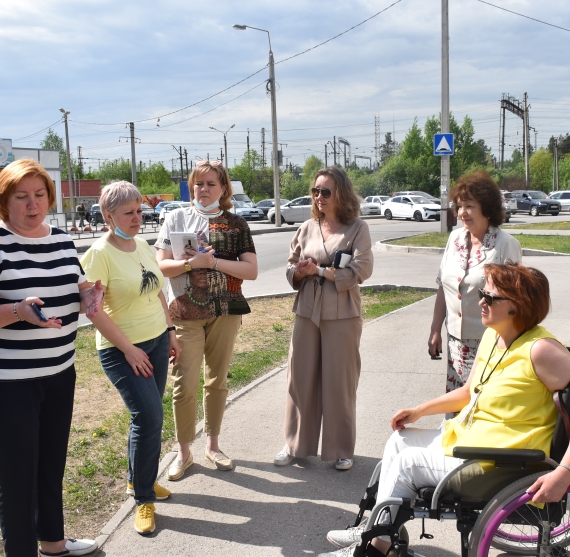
(380,245)
(128,506)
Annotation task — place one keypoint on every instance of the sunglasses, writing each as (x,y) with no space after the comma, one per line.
(326,193)
(208,163)
(489,298)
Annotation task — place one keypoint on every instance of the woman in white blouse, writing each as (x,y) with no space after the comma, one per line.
(477,201)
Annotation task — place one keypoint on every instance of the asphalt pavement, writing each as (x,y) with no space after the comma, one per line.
(261,510)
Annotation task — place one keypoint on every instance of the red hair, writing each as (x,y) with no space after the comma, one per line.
(526,288)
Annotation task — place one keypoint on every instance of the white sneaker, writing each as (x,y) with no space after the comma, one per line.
(347,537)
(344,552)
(75,548)
(343,464)
(283,458)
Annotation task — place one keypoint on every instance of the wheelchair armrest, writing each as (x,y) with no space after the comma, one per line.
(501,457)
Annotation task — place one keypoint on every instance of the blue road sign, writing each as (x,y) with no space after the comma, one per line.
(443,144)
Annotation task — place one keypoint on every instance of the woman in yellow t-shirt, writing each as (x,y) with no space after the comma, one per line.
(135,337)
(506,402)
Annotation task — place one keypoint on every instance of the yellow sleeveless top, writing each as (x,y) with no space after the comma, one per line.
(515,409)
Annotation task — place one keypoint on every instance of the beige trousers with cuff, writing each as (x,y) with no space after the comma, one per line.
(210,341)
(322,378)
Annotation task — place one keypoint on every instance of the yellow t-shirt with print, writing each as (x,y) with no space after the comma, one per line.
(515,410)
(139,316)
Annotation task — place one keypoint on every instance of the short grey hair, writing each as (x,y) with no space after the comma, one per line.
(116,194)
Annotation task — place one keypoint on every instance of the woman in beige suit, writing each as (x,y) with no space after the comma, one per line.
(324,359)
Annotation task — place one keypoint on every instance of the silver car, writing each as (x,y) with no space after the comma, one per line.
(563,197)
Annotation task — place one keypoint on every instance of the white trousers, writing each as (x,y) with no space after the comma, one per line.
(413,458)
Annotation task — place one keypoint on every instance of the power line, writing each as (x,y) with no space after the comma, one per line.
(50,126)
(522,15)
(245,78)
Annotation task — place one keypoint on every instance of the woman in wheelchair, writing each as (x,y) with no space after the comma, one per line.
(507,402)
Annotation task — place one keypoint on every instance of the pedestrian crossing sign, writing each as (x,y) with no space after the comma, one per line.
(443,144)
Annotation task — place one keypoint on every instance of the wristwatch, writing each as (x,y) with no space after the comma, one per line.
(187,266)
(321,271)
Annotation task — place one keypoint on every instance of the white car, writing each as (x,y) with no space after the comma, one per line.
(563,197)
(509,200)
(170,207)
(372,205)
(298,210)
(242,209)
(411,207)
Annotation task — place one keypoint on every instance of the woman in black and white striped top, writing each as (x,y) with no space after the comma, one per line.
(38,267)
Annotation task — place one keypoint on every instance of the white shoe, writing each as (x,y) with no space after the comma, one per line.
(347,537)
(343,464)
(177,468)
(344,552)
(75,547)
(283,458)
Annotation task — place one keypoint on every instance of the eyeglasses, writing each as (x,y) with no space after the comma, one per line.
(326,193)
(209,163)
(489,298)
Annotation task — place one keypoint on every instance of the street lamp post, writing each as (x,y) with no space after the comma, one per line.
(273,124)
(69,174)
(225,134)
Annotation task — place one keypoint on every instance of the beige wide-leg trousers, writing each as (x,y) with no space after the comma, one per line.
(212,341)
(324,368)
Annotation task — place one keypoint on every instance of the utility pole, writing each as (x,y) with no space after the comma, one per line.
(555,184)
(445,160)
(186,157)
(526,140)
(326,161)
(80,159)
(334,149)
(248,160)
(377,141)
(179,151)
(263,146)
(222,158)
(69,173)
(133,157)
(274,139)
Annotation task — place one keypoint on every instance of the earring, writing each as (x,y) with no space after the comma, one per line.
(512,312)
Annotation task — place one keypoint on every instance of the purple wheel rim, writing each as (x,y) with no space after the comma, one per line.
(493,527)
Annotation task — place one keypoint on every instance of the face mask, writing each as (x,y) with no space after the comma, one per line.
(121,234)
(211,206)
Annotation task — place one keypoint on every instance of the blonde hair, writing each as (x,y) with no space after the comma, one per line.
(116,194)
(347,205)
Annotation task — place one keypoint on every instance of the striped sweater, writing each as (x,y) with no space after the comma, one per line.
(47,268)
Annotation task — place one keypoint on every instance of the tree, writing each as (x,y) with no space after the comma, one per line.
(312,165)
(413,144)
(247,171)
(541,163)
(53,141)
(156,179)
(292,186)
(387,149)
(564,172)
(112,171)
(563,144)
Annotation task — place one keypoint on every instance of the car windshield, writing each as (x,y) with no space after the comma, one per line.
(537,195)
(239,204)
(418,199)
(146,207)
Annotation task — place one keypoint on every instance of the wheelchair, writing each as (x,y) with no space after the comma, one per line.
(486,496)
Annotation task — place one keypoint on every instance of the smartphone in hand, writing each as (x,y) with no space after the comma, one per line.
(39,313)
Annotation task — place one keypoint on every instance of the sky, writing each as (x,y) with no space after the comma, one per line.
(109,63)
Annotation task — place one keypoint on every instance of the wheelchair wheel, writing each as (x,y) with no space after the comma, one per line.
(510,522)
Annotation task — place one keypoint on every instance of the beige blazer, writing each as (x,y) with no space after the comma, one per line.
(331,300)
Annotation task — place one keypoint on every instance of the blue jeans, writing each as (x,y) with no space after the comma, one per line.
(143,397)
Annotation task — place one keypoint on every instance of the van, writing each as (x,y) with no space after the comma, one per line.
(239,195)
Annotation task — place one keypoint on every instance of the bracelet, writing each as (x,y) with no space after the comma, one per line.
(15,312)
(565,466)
(170,329)
(215,267)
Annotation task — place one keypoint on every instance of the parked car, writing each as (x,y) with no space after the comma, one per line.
(422,193)
(507,212)
(411,207)
(509,200)
(149,215)
(96,216)
(160,205)
(266,204)
(372,205)
(535,203)
(563,197)
(170,207)
(248,213)
(298,210)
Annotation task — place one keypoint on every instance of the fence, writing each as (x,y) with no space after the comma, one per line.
(78,227)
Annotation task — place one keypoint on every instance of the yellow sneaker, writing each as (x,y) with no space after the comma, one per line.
(144,519)
(161,492)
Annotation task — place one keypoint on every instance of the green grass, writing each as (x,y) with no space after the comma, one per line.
(562,225)
(95,475)
(560,244)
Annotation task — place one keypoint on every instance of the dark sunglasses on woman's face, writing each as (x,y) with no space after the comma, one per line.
(489,298)
(326,193)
